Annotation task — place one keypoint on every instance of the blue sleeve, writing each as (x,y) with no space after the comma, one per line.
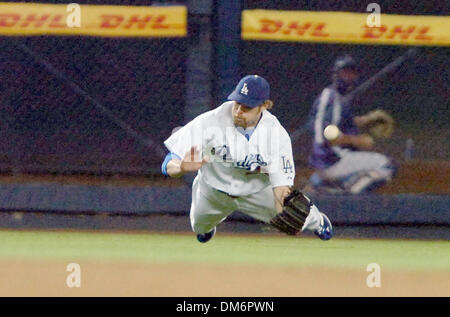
(328,116)
(167,159)
(321,116)
(348,126)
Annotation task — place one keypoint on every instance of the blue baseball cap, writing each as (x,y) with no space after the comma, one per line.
(251,91)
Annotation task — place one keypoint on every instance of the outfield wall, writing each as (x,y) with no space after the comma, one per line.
(404,209)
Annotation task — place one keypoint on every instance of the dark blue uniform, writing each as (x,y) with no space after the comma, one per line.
(329,109)
(342,168)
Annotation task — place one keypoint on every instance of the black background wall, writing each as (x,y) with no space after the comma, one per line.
(46,127)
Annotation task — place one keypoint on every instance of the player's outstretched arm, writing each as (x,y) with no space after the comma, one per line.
(336,138)
(361,141)
(191,162)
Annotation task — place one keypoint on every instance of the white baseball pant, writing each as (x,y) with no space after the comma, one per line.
(359,169)
(210,207)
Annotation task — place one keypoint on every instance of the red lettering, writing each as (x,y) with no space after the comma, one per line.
(141,22)
(300,29)
(404,34)
(422,34)
(38,21)
(111,21)
(374,32)
(270,26)
(318,30)
(159,23)
(55,23)
(8,20)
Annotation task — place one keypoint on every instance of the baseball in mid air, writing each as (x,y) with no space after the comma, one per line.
(331,132)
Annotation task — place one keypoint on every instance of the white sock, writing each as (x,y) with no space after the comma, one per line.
(314,220)
(363,182)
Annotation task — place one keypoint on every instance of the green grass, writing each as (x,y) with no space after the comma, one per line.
(225,250)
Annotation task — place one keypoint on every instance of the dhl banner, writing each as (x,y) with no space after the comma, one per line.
(95,20)
(345,27)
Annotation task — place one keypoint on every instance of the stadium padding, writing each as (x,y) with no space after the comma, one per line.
(343,209)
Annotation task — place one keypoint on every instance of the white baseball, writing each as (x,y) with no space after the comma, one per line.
(331,132)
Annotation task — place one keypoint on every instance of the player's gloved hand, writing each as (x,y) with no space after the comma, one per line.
(296,208)
(192,161)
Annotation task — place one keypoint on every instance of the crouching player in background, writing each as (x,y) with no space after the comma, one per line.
(342,156)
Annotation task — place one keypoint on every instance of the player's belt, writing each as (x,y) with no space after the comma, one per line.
(231,196)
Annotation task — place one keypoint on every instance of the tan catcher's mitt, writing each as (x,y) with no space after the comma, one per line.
(379,124)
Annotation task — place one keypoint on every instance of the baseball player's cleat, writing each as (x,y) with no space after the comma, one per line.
(205,237)
(325,232)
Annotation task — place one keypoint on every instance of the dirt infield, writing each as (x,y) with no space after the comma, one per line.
(48,278)
(34,263)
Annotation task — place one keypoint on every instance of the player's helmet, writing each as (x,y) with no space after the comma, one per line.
(344,85)
(342,62)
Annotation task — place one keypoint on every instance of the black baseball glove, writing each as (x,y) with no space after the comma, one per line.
(296,208)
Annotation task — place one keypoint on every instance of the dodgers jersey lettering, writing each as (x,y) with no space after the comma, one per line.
(237,166)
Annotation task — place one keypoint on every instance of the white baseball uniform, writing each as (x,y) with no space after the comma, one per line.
(241,171)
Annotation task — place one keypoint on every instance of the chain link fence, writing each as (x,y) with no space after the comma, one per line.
(101,105)
(97,105)
(416,95)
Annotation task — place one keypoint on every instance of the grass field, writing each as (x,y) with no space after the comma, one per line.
(149,264)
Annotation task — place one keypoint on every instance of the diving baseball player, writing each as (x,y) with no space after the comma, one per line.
(341,154)
(243,160)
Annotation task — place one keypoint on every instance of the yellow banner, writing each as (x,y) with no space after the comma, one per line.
(95,20)
(344,27)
